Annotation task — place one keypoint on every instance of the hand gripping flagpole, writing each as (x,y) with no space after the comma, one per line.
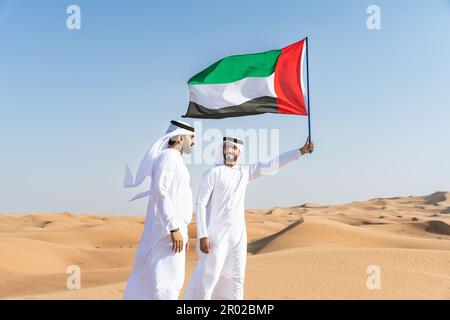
(307,92)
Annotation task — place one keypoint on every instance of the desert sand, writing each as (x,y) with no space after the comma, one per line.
(309,251)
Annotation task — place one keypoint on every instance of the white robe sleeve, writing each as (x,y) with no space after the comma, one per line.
(164,175)
(268,167)
(204,194)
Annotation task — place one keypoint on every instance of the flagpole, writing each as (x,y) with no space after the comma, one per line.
(307,90)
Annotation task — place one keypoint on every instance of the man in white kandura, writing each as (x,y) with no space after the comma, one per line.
(159,266)
(220,216)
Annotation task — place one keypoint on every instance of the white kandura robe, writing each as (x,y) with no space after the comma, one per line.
(158,272)
(220,216)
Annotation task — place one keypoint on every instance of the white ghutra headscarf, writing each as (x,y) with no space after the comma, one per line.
(145,169)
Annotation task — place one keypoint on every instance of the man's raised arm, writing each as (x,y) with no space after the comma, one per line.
(269,167)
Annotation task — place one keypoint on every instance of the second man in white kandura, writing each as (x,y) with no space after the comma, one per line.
(159,266)
(220,216)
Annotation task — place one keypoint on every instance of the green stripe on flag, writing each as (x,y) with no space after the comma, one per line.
(235,68)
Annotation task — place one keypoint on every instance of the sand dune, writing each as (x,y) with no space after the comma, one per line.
(340,273)
(308,251)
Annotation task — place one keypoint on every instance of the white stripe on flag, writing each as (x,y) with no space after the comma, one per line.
(216,96)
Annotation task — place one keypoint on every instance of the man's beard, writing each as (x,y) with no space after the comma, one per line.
(186,147)
(230,158)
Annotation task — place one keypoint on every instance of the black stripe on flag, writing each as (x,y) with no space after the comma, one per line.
(252,107)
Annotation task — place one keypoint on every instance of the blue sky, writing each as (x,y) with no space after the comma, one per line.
(76,105)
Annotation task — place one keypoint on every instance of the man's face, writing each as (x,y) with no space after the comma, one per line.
(190,139)
(231,152)
(187,142)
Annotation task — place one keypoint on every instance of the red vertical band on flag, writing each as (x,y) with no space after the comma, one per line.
(288,87)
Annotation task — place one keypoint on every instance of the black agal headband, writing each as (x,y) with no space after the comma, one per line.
(182,125)
(235,140)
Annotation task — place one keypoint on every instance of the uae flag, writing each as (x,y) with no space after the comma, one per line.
(250,84)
